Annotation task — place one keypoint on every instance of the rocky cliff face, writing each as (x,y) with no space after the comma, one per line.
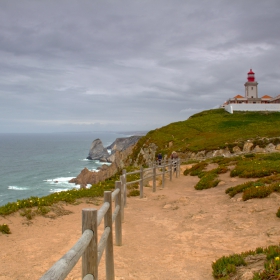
(121,149)
(147,154)
(97,151)
(90,177)
(121,144)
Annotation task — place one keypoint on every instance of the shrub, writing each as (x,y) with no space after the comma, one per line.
(256,192)
(4,228)
(227,265)
(209,180)
(28,213)
(133,193)
(232,191)
(222,269)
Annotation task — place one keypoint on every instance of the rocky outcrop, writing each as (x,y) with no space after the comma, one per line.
(97,151)
(106,171)
(121,144)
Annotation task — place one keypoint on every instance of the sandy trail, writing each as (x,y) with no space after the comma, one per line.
(174,233)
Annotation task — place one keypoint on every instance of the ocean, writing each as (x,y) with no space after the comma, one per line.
(39,164)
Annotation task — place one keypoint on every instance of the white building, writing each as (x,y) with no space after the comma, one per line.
(251,101)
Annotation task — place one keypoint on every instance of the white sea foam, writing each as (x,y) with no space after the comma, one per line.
(16,188)
(59,180)
(70,187)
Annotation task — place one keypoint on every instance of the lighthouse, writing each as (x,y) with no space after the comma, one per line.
(251,86)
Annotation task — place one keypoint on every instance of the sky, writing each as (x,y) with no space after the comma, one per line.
(130,65)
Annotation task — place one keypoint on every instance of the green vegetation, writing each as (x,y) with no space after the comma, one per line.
(225,267)
(257,166)
(213,129)
(5,229)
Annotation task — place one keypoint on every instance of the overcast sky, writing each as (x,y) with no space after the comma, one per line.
(131,64)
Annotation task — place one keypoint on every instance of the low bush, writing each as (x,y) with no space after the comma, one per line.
(257,167)
(4,228)
(209,180)
(133,193)
(226,266)
(256,192)
(232,191)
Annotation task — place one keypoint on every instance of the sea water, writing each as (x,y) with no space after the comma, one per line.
(40,164)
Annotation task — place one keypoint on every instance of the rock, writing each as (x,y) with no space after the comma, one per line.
(257,149)
(167,206)
(247,147)
(97,151)
(200,155)
(277,147)
(221,183)
(270,148)
(236,150)
(222,152)
(121,144)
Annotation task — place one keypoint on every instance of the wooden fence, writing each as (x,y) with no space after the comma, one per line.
(88,246)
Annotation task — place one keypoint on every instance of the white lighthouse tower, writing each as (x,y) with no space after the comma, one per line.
(251,86)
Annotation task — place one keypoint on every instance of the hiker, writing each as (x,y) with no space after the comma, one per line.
(159,158)
(174,159)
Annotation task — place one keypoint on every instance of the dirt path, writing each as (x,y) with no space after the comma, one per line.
(175,233)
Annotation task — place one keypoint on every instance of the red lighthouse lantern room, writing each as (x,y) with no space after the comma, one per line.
(251,76)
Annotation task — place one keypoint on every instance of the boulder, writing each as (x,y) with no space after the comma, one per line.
(97,151)
(247,147)
(236,150)
(257,149)
(270,148)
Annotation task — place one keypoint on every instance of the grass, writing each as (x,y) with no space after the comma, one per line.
(226,266)
(213,129)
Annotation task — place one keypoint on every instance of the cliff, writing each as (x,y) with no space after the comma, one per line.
(121,148)
(99,152)
(105,172)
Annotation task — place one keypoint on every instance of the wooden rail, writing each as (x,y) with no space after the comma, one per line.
(88,246)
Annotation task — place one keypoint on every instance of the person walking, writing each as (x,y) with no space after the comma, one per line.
(159,158)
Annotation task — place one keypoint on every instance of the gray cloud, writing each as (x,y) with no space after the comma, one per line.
(130,65)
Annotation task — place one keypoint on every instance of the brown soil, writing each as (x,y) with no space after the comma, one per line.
(174,233)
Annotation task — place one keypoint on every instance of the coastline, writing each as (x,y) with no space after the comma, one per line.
(167,234)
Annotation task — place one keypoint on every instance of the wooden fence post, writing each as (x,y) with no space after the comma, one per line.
(154,177)
(163,173)
(124,187)
(177,167)
(170,169)
(122,196)
(90,256)
(141,182)
(110,274)
(118,221)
